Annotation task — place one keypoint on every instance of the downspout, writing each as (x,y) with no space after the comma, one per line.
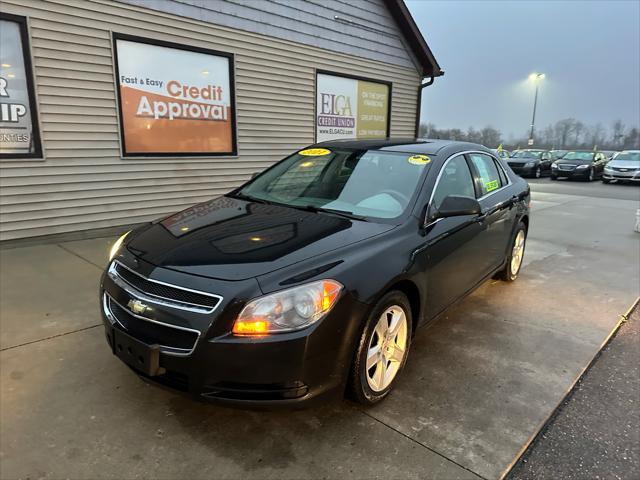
(419,104)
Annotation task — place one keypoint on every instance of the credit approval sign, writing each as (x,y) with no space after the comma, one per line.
(174,100)
(349,107)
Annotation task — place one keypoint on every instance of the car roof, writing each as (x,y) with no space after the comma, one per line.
(407,145)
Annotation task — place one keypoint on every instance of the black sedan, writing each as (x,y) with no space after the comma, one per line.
(581,164)
(313,276)
(530,162)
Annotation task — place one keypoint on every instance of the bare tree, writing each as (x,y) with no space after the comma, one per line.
(617,132)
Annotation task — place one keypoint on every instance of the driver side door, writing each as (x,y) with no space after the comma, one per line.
(452,252)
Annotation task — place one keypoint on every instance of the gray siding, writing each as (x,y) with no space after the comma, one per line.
(84,183)
(362,27)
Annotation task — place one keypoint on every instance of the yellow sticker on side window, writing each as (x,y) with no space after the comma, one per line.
(314,152)
(418,159)
(492,185)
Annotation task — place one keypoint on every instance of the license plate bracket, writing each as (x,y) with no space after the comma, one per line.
(136,354)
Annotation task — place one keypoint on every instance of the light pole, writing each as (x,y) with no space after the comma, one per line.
(535,78)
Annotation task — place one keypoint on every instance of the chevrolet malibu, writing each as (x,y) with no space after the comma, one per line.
(314,276)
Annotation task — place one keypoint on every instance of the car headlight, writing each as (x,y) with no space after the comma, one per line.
(553,165)
(116,246)
(288,310)
(582,167)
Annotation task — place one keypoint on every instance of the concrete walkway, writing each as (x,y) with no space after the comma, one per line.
(477,388)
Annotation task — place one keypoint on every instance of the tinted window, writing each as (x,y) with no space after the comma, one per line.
(487,171)
(455,179)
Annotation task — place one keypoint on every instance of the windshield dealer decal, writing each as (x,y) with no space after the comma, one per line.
(314,152)
(418,159)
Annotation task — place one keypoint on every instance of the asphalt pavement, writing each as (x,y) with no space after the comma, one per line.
(597,189)
(595,433)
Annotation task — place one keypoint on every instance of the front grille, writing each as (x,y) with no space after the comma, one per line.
(153,333)
(621,169)
(566,168)
(167,292)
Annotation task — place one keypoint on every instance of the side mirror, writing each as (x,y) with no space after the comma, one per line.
(457,205)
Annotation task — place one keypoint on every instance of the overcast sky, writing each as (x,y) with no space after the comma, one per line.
(589,51)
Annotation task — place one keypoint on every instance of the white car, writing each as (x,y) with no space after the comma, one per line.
(625,167)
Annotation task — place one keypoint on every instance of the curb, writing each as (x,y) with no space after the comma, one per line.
(534,437)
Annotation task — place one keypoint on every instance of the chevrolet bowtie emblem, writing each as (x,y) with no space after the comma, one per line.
(137,307)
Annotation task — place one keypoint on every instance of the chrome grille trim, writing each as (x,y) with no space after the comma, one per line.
(157,299)
(179,352)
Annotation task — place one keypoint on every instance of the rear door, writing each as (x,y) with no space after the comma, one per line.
(498,212)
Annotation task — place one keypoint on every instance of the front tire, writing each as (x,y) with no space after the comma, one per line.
(538,172)
(516,254)
(606,180)
(383,349)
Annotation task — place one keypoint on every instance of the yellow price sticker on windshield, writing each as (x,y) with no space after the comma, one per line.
(314,152)
(492,185)
(418,159)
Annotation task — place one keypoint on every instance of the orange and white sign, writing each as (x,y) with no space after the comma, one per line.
(174,101)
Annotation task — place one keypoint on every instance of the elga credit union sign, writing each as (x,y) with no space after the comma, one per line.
(174,101)
(351,108)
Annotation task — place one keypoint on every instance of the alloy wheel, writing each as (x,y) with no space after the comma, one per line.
(538,172)
(387,348)
(591,176)
(517,253)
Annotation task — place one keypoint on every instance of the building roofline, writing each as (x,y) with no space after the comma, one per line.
(419,47)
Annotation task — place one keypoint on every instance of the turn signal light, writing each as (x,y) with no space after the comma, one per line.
(250,327)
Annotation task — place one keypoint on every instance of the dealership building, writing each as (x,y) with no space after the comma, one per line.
(119,112)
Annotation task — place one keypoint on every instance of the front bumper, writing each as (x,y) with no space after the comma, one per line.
(630,176)
(523,171)
(575,173)
(279,369)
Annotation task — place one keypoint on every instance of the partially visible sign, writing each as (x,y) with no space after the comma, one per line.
(18,131)
(174,100)
(351,108)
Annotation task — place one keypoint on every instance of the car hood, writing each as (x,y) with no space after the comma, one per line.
(522,160)
(624,164)
(233,239)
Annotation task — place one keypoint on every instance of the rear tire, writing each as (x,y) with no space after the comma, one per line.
(514,260)
(383,347)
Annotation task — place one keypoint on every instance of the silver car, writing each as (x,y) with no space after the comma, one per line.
(624,167)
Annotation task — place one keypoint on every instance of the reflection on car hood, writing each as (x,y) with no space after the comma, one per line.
(624,164)
(232,239)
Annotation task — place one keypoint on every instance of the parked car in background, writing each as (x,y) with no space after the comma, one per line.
(503,154)
(557,154)
(625,167)
(610,154)
(581,164)
(275,293)
(530,162)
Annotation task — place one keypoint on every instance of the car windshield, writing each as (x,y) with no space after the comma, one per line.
(578,156)
(556,154)
(628,157)
(527,154)
(362,183)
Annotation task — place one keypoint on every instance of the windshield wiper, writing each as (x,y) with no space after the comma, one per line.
(340,213)
(248,198)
